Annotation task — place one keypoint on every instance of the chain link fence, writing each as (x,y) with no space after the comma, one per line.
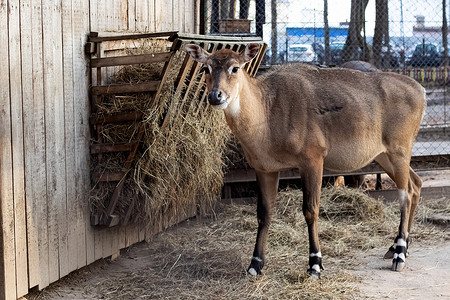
(407,37)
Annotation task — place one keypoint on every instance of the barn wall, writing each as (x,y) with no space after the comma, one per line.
(144,16)
(44,133)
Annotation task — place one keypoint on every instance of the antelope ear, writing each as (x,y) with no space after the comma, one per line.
(250,52)
(197,53)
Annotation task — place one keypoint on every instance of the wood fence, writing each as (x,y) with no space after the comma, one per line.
(44,132)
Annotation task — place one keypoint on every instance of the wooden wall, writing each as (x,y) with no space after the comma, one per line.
(44,132)
(144,15)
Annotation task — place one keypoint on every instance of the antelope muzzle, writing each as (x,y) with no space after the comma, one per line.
(217,97)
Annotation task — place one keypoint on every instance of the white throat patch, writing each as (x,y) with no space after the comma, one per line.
(235,107)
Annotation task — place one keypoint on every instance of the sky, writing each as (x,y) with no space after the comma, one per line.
(308,13)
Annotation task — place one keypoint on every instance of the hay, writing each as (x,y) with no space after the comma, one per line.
(179,164)
(207,258)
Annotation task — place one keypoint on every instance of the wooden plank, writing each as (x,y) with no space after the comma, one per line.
(120,37)
(102,15)
(150,86)
(151,16)
(132,235)
(39,179)
(80,24)
(439,219)
(123,15)
(54,126)
(128,163)
(190,15)
(129,60)
(429,192)
(127,217)
(98,245)
(216,38)
(164,15)
(258,60)
(180,11)
(29,135)
(164,72)
(115,118)
(417,163)
(93,16)
(142,13)
(105,148)
(131,11)
(68,225)
(7,256)
(107,240)
(15,78)
(112,11)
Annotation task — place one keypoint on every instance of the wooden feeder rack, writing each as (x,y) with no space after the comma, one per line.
(98,90)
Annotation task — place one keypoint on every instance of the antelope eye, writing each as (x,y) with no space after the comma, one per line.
(235,69)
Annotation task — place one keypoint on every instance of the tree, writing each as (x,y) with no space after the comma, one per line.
(243,9)
(326,33)
(260,16)
(381,34)
(444,33)
(355,41)
(224,9)
(274,32)
(215,16)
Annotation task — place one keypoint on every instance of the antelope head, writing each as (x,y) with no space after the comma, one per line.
(223,73)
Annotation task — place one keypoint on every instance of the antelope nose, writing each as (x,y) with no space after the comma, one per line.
(215,97)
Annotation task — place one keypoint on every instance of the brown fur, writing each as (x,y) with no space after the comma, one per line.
(313,119)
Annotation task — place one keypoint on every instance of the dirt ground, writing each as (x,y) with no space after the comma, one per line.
(365,273)
(426,275)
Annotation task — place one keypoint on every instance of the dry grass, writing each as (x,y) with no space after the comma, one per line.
(179,164)
(207,258)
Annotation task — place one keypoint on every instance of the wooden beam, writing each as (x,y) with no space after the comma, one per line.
(116,118)
(429,192)
(93,37)
(150,86)
(129,60)
(107,148)
(108,176)
(217,39)
(419,163)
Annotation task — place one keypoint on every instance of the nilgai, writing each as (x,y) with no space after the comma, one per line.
(313,119)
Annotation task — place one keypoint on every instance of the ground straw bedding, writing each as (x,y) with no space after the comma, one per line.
(180,161)
(207,259)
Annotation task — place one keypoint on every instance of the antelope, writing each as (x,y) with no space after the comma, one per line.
(358,180)
(360,65)
(314,119)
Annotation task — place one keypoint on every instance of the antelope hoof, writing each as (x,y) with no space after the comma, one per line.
(256,266)
(390,253)
(398,264)
(315,265)
(314,273)
(399,257)
(314,270)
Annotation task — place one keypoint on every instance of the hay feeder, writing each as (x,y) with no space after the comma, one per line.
(154,138)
